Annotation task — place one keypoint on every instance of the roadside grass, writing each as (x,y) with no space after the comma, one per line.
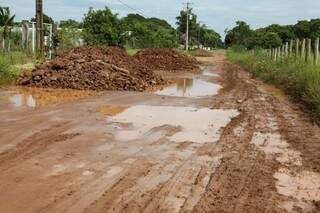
(12,64)
(299,79)
(132,52)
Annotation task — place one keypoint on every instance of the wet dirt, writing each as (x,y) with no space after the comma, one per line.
(243,148)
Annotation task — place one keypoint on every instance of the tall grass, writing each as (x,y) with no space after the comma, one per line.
(299,79)
(12,63)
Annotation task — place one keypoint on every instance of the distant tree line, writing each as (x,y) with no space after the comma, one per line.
(103,27)
(271,36)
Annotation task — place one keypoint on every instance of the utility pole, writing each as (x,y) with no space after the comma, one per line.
(39,27)
(187,27)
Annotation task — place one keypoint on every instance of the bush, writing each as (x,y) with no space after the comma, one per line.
(299,79)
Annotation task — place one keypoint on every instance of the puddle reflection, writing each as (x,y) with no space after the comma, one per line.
(190,87)
(36,97)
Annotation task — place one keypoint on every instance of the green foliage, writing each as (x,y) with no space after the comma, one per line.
(102,27)
(299,79)
(68,37)
(7,73)
(147,32)
(6,22)
(271,36)
(198,34)
(46,19)
(70,23)
(265,40)
(241,34)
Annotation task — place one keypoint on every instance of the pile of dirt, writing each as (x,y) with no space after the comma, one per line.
(166,60)
(94,69)
(201,53)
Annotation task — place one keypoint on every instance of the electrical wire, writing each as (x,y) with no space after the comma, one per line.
(128,6)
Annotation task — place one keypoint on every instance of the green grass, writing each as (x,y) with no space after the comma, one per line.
(12,64)
(299,79)
(131,52)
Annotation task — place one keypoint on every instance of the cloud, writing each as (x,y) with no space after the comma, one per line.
(214,13)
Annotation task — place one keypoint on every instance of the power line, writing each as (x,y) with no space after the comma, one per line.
(128,6)
(187,25)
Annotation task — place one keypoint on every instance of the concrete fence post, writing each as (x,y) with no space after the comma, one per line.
(290,47)
(286,49)
(275,53)
(316,50)
(308,52)
(297,47)
(303,49)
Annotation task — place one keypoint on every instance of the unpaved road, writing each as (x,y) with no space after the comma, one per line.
(229,144)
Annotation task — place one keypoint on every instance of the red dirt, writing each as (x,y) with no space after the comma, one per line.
(166,60)
(95,69)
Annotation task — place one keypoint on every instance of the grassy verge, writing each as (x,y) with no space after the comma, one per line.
(11,65)
(297,78)
(132,51)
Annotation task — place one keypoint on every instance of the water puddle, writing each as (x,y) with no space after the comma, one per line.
(194,125)
(36,97)
(190,87)
(208,73)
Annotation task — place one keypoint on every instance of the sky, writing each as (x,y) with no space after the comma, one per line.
(216,14)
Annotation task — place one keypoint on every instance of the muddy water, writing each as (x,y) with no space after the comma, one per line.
(196,125)
(192,87)
(36,97)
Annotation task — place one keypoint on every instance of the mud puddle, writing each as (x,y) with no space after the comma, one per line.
(37,97)
(190,124)
(191,87)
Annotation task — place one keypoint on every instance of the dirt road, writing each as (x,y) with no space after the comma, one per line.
(214,142)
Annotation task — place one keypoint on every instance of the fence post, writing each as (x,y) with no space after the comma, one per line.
(303,49)
(297,47)
(290,47)
(308,55)
(279,52)
(275,53)
(316,50)
(286,49)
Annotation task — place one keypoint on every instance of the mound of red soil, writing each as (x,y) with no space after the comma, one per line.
(92,68)
(166,60)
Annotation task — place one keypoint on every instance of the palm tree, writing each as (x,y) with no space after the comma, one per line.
(6,20)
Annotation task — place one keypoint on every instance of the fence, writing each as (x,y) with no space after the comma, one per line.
(306,49)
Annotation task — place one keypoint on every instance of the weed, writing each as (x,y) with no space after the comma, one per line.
(299,79)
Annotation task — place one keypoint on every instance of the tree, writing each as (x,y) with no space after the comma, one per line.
(286,33)
(102,27)
(6,21)
(148,32)
(70,23)
(267,40)
(239,35)
(193,25)
(46,19)
(209,37)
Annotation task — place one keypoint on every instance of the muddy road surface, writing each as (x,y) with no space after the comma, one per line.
(218,141)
